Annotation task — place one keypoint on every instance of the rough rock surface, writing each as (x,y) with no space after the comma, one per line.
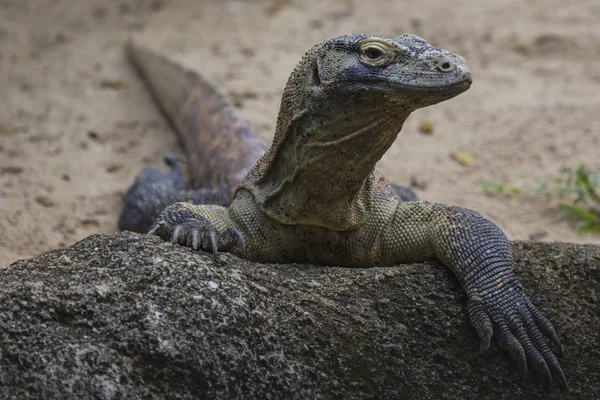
(130,316)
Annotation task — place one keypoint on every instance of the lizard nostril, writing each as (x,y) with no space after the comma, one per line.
(444,66)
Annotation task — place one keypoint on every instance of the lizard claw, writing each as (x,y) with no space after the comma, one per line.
(178,225)
(176,234)
(485,341)
(237,237)
(195,239)
(155,228)
(212,240)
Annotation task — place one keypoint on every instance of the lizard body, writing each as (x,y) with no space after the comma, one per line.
(314,196)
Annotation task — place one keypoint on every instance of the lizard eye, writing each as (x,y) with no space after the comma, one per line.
(373,53)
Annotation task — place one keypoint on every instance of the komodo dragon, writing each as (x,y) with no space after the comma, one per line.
(314,195)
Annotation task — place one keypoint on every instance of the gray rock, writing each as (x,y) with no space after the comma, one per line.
(130,316)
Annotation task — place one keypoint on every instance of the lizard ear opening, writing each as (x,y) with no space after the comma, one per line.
(316,78)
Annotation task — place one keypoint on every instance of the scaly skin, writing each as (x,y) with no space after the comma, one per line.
(315,196)
(221,148)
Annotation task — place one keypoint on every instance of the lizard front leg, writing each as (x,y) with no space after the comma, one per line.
(206,227)
(480,255)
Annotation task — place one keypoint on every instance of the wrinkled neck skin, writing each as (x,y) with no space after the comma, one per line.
(334,149)
(319,170)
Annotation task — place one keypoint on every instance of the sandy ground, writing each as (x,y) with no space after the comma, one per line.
(76,124)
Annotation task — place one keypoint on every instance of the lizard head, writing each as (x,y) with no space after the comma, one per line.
(341,110)
(351,95)
(405,70)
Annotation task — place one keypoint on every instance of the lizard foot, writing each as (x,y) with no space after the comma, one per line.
(178,224)
(520,329)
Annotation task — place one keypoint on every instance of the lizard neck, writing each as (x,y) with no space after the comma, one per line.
(319,169)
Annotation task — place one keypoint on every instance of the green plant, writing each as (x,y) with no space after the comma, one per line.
(578,187)
(582,189)
(495,187)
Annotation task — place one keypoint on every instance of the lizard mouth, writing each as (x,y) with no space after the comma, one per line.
(443,88)
(431,94)
(458,85)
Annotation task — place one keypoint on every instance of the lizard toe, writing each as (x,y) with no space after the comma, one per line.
(481,321)
(509,343)
(545,326)
(534,356)
(534,332)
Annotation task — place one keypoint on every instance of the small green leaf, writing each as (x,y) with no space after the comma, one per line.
(515,190)
(492,186)
(579,212)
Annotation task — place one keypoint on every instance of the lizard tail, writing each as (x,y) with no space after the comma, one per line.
(221,148)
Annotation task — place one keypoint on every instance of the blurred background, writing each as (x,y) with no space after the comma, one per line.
(77,125)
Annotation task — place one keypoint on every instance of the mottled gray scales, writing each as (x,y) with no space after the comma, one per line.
(315,196)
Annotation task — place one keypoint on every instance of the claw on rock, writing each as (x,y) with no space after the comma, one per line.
(212,237)
(559,346)
(180,225)
(195,239)
(485,341)
(563,379)
(240,239)
(176,233)
(522,367)
(547,376)
(156,227)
